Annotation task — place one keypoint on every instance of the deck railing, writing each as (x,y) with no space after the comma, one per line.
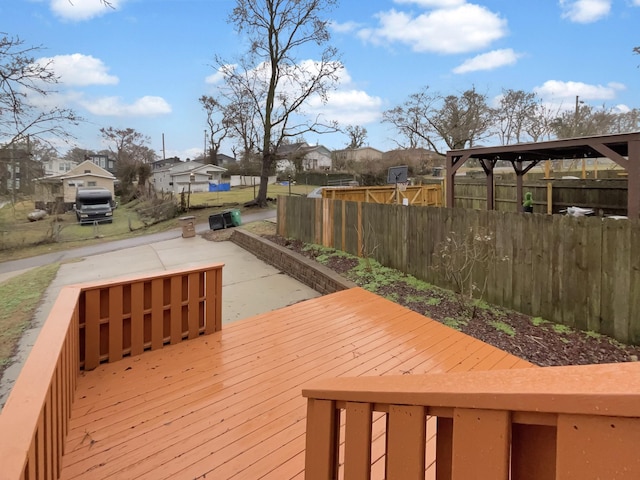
(89,324)
(556,423)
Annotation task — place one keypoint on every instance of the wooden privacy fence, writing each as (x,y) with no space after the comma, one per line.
(87,324)
(419,195)
(581,272)
(556,423)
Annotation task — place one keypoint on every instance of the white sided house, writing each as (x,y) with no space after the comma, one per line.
(57,193)
(187,177)
(303,158)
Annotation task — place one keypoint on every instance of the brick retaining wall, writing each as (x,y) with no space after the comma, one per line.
(305,270)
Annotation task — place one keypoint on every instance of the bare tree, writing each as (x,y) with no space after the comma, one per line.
(513,114)
(218,124)
(78,154)
(24,86)
(585,120)
(628,121)
(242,114)
(273,79)
(463,121)
(458,121)
(132,156)
(357,135)
(539,125)
(410,120)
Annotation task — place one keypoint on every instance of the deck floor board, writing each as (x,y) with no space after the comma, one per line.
(229,405)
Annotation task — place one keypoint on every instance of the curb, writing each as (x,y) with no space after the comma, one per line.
(311,273)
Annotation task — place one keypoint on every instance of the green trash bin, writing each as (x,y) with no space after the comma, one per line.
(235,218)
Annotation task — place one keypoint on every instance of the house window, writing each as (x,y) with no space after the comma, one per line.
(87,171)
(71,184)
(61,167)
(91,184)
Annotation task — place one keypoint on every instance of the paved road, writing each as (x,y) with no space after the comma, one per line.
(48,258)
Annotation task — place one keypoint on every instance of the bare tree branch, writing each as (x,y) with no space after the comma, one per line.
(271,77)
(24,87)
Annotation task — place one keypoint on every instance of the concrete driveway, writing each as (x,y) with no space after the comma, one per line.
(249,286)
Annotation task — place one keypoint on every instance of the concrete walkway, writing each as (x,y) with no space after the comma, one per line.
(249,286)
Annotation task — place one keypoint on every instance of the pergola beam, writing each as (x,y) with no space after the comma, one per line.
(623,149)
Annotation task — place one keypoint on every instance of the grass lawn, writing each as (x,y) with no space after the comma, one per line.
(19,297)
(20,238)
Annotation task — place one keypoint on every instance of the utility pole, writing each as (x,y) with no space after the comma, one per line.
(575,118)
(204,152)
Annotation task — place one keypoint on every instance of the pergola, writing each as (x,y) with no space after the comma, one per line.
(623,149)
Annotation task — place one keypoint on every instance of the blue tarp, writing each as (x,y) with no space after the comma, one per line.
(221,187)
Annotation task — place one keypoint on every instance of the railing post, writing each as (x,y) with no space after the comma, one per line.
(321,453)
(406,440)
(481,440)
(357,454)
(597,447)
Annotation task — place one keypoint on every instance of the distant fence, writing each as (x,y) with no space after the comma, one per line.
(581,272)
(608,196)
(422,195)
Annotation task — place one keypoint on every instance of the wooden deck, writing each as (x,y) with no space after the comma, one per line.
(229,404)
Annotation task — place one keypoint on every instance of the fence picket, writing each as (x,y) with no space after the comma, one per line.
(576,271)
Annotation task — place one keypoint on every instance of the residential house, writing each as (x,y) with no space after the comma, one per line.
(225,160)
(57,166)
(103,161)
(17,170)
(187,176)
(421,160)
(165,163)
(301,157)
(355,155)
(58,192)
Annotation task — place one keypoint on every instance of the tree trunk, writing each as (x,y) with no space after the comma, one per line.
(261,199)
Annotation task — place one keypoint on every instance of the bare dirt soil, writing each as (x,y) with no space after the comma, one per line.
(534,339)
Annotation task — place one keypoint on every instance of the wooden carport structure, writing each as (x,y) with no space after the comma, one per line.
(623,149)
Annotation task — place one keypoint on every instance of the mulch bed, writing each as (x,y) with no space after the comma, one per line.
(542,343)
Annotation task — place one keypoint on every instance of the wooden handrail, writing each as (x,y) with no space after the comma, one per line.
(92,323)
(549,423)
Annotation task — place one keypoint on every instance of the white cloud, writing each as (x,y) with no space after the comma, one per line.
(464,28)
(488,61)
(556,90)
(636,3)
(346,27)
(219,75)
(585,11)
(114,106)
(78,10)
(433,3)
(79,70)
(348,107)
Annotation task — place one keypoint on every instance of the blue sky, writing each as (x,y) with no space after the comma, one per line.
(145,63)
